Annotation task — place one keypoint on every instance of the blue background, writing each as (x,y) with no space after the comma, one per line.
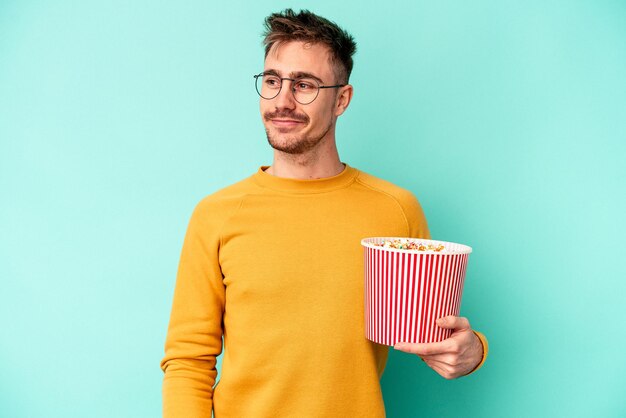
(506,119)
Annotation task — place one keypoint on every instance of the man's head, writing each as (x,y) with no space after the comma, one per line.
(304,46)
(308,27)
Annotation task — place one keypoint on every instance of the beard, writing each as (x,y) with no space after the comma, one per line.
(294,144)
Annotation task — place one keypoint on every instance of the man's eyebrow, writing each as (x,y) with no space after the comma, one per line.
(304,74)
(294,75)
(271,72)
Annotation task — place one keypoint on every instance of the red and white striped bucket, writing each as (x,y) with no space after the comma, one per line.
(407,290)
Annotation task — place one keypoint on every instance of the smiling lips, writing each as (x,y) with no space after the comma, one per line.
(286,123)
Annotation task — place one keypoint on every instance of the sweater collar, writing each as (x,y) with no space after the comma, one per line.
(341,180)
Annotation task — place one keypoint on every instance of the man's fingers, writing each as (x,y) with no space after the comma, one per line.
(427,349)
(439,368)
(453,322)
(449,345)
(443,369)
(424,349)
(453,357)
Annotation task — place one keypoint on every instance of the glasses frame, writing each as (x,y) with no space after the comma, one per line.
(293,89)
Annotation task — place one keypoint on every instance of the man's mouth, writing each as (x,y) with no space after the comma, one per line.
(286,123)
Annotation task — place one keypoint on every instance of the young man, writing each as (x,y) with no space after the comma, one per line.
(273,264)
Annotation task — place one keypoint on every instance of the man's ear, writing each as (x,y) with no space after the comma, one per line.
(344,96)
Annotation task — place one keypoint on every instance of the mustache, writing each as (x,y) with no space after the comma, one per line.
(287,114)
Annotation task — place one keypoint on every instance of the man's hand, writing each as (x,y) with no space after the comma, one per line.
(453,357)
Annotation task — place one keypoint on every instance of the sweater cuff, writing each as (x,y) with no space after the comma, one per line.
(483,341)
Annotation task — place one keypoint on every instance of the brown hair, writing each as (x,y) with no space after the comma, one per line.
(305,26)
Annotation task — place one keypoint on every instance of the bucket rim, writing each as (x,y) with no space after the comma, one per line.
(458,248)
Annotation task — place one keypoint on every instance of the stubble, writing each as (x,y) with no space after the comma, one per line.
(293,144)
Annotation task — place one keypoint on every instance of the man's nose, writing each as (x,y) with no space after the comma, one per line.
(285,99)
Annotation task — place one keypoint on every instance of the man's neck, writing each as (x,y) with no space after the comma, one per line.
(309,166)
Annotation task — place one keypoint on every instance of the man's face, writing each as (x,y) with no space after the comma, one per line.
(292,127)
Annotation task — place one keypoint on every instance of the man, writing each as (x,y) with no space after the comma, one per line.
(273,264)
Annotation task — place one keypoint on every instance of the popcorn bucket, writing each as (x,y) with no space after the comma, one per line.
(406,290)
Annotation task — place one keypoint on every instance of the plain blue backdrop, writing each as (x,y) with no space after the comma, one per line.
(506,119)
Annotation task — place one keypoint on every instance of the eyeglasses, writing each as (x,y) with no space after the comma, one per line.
(304,89)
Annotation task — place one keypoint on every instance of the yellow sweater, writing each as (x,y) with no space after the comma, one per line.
(275,267)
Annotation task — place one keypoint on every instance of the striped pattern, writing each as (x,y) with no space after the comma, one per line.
(406,291)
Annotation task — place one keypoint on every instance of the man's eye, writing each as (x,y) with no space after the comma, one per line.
(305,85)
(271,81)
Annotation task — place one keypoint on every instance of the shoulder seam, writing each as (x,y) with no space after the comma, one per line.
(392,197)
(243,197)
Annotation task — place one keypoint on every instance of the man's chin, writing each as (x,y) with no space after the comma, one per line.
(294,146)
(293,149)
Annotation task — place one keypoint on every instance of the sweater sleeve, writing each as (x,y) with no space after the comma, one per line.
(194,337)
(417,225)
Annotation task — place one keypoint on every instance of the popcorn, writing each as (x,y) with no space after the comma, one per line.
(407,244)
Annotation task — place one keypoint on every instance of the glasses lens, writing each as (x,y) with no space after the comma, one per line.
(305,90)
(268,86)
